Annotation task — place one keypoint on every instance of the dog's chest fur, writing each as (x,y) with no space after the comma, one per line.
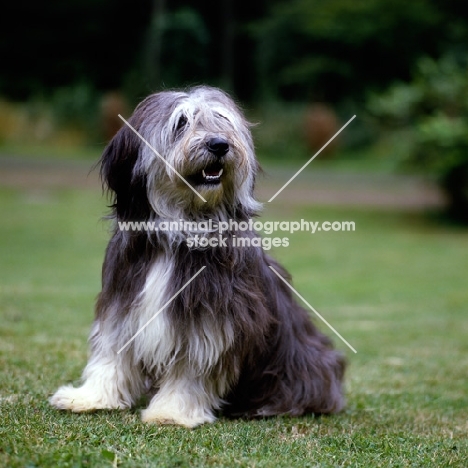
(195,343)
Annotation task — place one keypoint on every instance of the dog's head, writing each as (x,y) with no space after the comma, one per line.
(191,146)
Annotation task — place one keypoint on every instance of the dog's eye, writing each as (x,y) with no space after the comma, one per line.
(181,123)
(222,117)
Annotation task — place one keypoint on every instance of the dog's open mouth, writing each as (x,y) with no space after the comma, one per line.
(210,175)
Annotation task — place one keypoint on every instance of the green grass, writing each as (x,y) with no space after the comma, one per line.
(395,289)
(57,152)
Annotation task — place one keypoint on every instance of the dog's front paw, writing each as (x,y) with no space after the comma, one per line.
(174,417)
(81,399)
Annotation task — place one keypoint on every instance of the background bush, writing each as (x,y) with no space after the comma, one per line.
(433,111)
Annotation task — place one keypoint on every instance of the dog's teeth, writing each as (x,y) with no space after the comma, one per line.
(211,177)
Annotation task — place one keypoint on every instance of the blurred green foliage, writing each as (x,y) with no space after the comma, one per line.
(76,105)
(433,111)
(329,50)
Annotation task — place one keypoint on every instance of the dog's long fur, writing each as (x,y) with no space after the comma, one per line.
(234,340)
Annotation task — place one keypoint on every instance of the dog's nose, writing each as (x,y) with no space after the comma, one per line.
(217,146)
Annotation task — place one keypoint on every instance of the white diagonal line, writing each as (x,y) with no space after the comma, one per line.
(312,158)
(312,309)
(161,309)
(160,157)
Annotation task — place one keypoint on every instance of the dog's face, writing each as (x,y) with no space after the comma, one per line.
(200,136)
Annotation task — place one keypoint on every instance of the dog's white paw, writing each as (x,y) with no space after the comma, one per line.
(82,399)
(169,416)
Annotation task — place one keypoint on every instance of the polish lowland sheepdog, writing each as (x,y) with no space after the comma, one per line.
(232,341)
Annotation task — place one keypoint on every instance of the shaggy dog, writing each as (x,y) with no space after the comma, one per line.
(227,338)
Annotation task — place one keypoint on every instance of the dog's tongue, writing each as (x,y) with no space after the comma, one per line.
(212,172)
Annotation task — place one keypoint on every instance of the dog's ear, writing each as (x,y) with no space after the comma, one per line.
(118,160)
(128,189)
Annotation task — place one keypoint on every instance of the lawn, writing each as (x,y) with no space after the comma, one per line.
(396,289)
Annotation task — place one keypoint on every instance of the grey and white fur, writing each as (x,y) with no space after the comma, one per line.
(233,342)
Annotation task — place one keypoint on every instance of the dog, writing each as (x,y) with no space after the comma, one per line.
(232,341)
